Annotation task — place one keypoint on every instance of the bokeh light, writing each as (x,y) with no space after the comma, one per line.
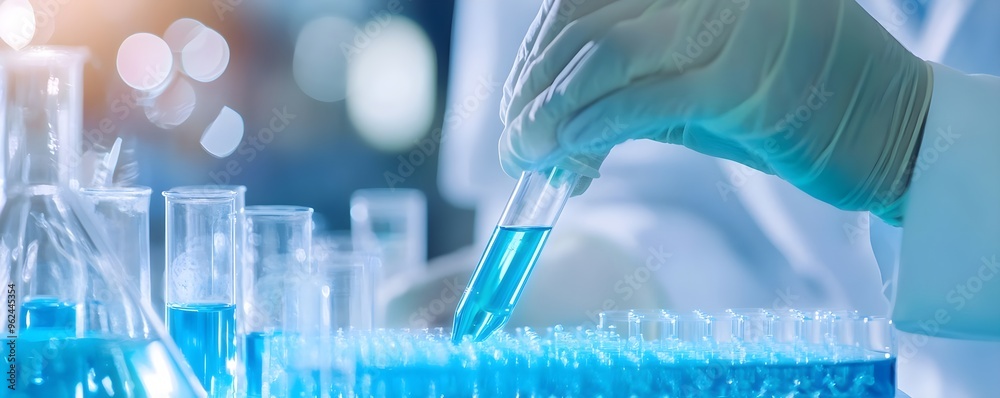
(391,84)
(223,136)
(144,62)
(181,32)
(173,107)
(17,23)
(319,65)
(205,57)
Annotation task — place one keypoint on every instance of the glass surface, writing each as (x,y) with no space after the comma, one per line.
(78,327)
(395,220)
(200,284)
(512,251)
(278,249)
(499,279)
(584,362)
(123,212)
(206,336)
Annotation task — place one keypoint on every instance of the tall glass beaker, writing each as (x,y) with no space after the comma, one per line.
(201,278)
(79,329)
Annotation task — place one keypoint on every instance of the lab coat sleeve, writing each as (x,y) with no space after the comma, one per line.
(948,278)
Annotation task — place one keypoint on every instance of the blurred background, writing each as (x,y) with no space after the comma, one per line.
(303,102)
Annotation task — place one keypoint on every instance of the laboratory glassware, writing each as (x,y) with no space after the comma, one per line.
(278,248)
(641,353)
(319,311)
(396,220)
(79,328)
(351,274)
(241,192)
(512,251)
(123,212)
(200,283)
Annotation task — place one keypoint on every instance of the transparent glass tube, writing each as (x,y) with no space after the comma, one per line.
(349,275)
(200,283)
(240,227)
(124,214)
(278,248)
(512,251)
(396,219)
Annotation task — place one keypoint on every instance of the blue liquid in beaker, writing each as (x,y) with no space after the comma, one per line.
(50,360)
(48,315)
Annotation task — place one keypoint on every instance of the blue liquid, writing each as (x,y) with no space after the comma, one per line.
(261,354)
(206,336)
(50,360)
(395,364)
(285,365)
(48,316)
(498,280)
(857,379)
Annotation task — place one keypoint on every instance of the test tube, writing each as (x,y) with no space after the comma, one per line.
(124,212)
(278,246)
(512,251)
(349,272)
(396,220)
(200,283)
(331,302)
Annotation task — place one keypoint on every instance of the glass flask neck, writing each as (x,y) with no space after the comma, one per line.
(43,104)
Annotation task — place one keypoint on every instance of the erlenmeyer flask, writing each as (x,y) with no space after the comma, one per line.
(78,329)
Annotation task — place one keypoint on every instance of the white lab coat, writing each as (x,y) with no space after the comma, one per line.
(738,238)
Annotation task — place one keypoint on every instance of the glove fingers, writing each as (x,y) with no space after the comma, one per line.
(645,110)
(522,53)
(551,55)
(657,107)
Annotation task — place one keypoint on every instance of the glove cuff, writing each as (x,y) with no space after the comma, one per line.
(890,203)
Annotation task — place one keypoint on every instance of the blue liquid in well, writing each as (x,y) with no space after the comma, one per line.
(206,336)
(498,280)
(50,360)
(393,364)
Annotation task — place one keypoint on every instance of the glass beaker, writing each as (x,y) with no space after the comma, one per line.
(278,245)
(124,214)
(79,328)
(200,283)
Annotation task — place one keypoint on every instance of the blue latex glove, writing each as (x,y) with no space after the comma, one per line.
(816,92)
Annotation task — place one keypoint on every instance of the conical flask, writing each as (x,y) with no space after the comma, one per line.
(73,328)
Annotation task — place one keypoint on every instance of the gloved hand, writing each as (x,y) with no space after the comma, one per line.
(816,92)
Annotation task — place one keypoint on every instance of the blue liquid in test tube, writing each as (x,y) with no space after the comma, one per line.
(200,279)
(278,244)
(512,251)
(206,336)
